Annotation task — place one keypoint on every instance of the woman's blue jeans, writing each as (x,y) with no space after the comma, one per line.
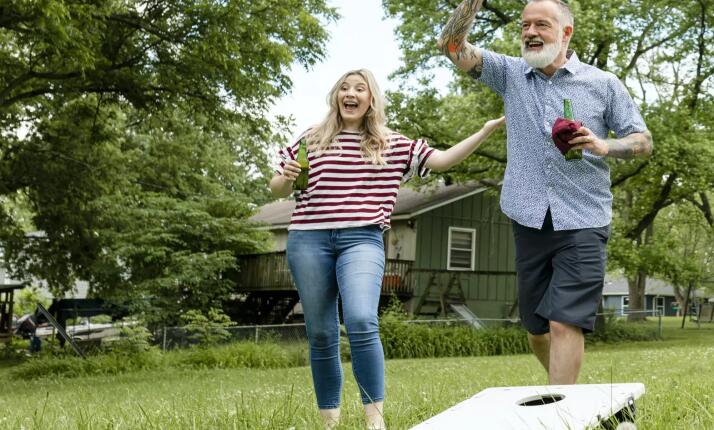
(348,262)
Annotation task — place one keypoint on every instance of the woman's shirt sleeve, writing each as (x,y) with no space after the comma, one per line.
(419,152)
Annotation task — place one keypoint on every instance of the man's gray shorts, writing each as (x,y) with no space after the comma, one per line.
(560,275)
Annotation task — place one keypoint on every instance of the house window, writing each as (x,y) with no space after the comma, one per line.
(625,304)
(462,249)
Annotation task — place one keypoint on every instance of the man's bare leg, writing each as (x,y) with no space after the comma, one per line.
(540,345)
(567,347)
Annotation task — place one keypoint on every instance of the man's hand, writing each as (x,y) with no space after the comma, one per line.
(631,146)
(588,140)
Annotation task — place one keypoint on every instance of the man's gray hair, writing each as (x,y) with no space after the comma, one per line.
(566,15)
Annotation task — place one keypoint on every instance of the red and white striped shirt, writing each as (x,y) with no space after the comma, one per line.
(346,190)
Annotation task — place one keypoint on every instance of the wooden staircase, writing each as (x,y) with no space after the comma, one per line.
(436,300)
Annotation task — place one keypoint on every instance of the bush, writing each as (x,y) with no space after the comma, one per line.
(616,330)
(27,299)
(241,354)
(132,340)
(400,339)
(411,340)
(71,366)
(209,329)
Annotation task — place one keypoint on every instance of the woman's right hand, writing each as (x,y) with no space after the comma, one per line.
(291,170)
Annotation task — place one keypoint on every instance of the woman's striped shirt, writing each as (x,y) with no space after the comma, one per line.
(346,190)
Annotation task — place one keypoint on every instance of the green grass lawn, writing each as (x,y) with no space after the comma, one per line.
(678,373)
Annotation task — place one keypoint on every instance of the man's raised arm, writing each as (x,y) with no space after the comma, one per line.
(452,41)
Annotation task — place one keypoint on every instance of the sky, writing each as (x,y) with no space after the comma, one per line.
(361,38)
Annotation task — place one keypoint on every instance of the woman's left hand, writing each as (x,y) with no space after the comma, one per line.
(493,124)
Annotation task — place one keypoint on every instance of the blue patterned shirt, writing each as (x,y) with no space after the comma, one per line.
(537,175)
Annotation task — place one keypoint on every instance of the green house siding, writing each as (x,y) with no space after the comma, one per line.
(489,294)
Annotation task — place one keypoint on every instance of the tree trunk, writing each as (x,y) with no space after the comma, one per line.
(679,296)
(636,286)
(686,303)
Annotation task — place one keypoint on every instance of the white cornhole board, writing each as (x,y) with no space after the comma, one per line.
(582,407)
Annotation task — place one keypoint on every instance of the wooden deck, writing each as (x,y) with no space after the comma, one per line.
(7,292)
(269,272)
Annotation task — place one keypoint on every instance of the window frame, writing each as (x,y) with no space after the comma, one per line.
(472,266)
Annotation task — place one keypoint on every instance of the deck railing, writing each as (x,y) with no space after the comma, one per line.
(260,272)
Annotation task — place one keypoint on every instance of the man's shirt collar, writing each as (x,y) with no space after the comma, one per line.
(572,65)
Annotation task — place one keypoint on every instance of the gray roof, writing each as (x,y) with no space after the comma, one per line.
(11,287)
(617,286)
(410,203)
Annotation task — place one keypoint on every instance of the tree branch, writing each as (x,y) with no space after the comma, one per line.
(625,176)
(5,101)
(505,19)
(639,51)
(133,22)
(661,203)
(702,51)
(704,206)
(490,156)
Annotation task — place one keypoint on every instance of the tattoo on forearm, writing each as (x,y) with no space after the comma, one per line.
(631,146)
(453,36)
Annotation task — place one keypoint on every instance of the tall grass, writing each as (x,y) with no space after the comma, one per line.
(399,338)
(402,340)
(676,371)
(677,374)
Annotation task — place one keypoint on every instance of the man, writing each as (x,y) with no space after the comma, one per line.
(561,209)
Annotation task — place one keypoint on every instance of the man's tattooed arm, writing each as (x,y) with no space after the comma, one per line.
(636,145)
(452,41)
(475,71)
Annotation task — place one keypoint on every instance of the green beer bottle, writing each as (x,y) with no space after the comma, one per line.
(573,154)
(301,181)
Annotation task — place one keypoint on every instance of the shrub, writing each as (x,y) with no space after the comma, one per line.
(27,299)
(132,340)
(405,340)
(240,354)
(209,329)
(616,330)
(111,363)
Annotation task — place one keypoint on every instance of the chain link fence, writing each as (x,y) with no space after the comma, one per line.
(179,337)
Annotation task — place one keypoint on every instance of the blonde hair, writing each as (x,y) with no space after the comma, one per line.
(374,131)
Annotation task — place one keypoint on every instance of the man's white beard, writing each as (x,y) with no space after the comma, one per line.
(546,56)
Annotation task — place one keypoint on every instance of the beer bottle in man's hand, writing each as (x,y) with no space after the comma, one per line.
(573,154)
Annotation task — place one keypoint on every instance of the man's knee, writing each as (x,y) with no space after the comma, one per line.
(539,339)
(559,329)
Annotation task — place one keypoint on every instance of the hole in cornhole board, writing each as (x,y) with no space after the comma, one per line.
(541,400)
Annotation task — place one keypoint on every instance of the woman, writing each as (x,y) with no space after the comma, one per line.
(335,246)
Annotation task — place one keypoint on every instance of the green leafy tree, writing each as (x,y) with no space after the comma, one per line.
(207,329)
(681,251)
(26,300)
(135,135)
